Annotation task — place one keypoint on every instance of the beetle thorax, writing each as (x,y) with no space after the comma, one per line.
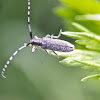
(35,41)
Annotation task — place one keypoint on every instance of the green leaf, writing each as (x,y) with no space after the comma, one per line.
(80,27)
(91,17)
(91,77)
(84,58)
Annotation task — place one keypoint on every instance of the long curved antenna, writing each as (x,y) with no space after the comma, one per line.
(28,18)
(14,54)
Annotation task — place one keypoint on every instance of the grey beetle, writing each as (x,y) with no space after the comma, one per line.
(47,43)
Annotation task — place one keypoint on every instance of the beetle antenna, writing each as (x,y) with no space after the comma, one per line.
(28,19)
(10,59)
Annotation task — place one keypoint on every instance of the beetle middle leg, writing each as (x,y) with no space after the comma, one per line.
(55,53)
(48,36)
(46,51)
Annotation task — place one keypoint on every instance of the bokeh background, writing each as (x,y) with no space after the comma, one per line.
(37,76)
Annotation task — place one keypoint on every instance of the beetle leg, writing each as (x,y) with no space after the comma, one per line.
(34,48)
(51,36)
(48,36)
(46,51)
(55,53)
(56,37)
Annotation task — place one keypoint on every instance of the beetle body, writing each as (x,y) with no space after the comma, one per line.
(53,44)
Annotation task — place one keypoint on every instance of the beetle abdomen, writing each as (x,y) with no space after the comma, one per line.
(57,45)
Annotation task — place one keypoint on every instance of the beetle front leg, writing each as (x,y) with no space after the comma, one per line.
(34,48)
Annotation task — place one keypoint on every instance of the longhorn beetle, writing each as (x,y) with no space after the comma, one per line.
(49,42)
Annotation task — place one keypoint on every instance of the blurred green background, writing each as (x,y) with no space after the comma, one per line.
(37,76)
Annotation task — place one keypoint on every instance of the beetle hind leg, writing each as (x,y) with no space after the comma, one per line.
(56,37)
